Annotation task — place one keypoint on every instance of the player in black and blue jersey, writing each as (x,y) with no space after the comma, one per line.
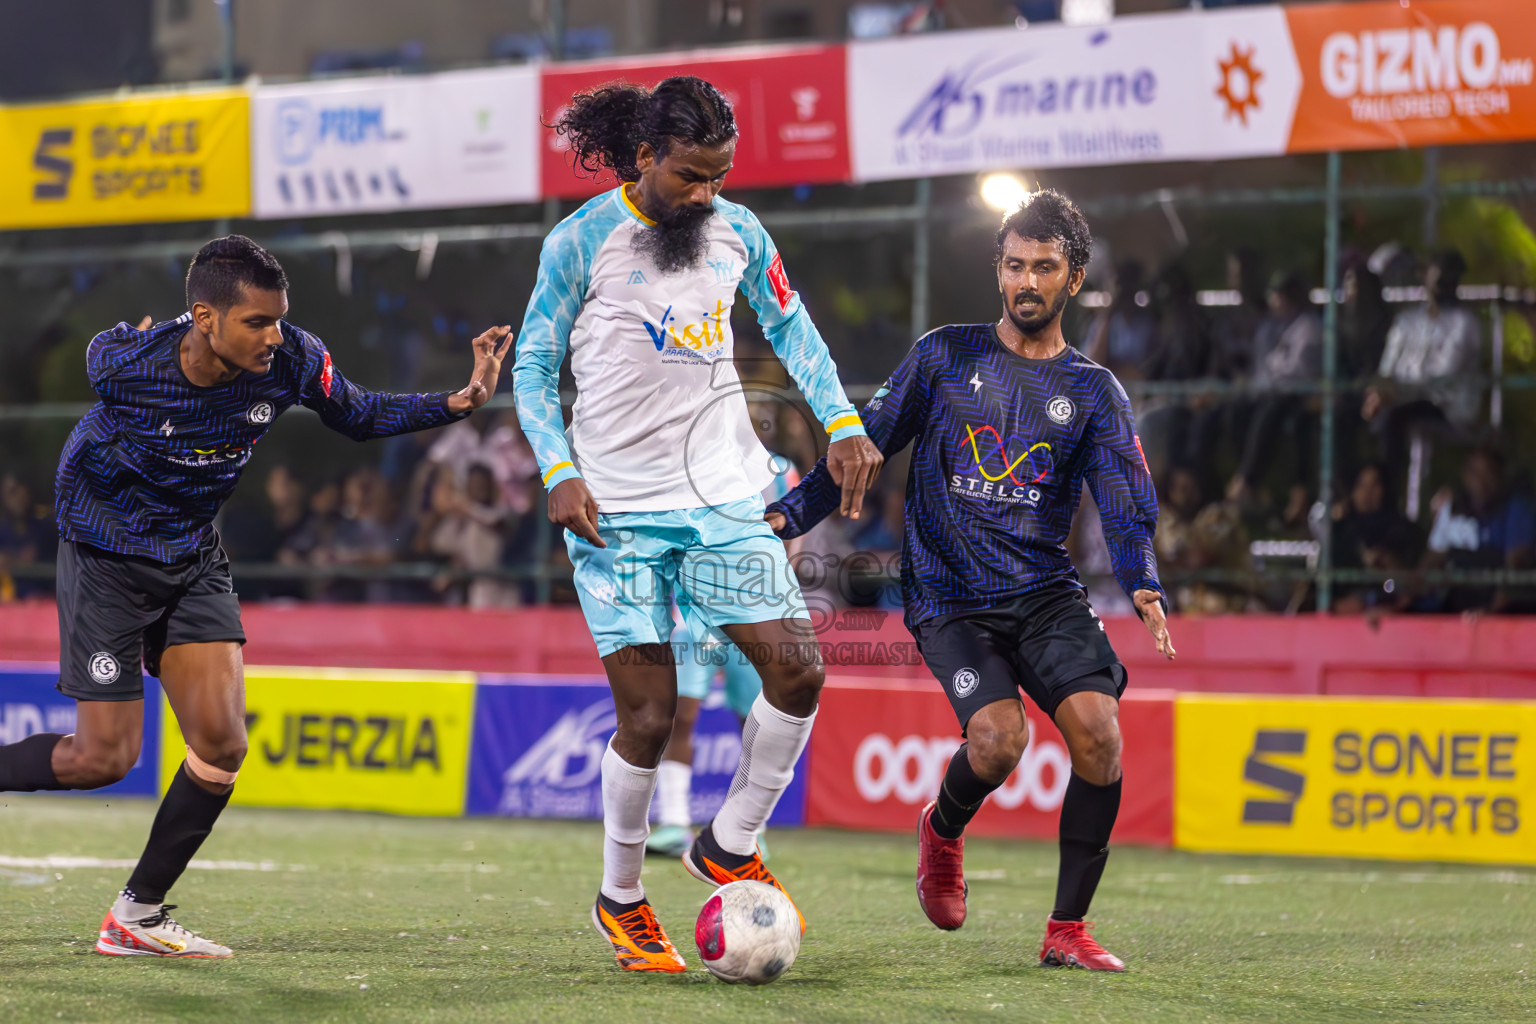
(1007,422)
(141,576)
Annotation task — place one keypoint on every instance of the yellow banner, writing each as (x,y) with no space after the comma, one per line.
(1414,780)
(360,740)
(171,157)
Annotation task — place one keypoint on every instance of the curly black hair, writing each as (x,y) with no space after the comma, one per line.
(1048,216)
(224,267)
(606,126)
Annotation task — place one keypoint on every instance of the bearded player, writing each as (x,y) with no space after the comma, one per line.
(1006,422)
(141,575)
(658,484)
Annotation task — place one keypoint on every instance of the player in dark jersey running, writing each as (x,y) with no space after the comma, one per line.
(141,576)
(1006,422)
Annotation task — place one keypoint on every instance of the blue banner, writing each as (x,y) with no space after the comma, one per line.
(30,704)
(538,748)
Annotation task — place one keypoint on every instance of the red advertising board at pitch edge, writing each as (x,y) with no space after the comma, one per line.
(790,102)
(879,752)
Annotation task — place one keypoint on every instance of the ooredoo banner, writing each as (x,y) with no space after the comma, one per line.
(790,106)
(1184,86)
(1433,72)
(463,138)
(539,743)
(366,740)
(173,156)
(1405,779)
(879,752)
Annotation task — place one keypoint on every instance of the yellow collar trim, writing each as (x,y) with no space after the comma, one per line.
(642,218)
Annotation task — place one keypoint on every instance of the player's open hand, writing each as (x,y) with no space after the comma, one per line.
(854,463)
(572,506)
(489,350)
(1149,605)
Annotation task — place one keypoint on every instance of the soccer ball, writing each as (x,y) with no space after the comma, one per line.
(748,933)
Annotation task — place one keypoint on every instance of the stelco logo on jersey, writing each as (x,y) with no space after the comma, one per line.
(1004,471)
(381,741)
(1446,780)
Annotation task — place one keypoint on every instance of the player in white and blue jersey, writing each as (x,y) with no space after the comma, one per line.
(658,480)
(142,580)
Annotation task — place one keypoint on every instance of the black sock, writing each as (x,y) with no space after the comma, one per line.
(26,766)
(1087,818)
(960,795)
(185,818)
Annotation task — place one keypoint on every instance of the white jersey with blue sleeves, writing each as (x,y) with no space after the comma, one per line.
(661,420)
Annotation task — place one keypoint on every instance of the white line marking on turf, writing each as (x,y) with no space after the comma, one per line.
(60,861)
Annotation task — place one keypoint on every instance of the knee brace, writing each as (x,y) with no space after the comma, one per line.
(207,772)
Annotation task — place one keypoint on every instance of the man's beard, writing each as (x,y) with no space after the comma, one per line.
(1034,323)
(679,239)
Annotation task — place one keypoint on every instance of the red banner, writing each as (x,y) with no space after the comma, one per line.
(879,750)
(790,102)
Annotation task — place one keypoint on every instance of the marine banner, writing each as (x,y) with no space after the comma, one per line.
(1404,779)
(162,157)
(366,740)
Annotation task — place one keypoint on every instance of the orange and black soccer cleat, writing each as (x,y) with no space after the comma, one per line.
(941,888)
(1068,944)
(707,862)
(639,944)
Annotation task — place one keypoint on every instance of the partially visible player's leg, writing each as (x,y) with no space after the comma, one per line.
(743,686)
(205,684)
(104,745)
(1089,722)
(674,776)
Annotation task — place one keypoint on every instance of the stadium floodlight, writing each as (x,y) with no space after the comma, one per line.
(1003,191)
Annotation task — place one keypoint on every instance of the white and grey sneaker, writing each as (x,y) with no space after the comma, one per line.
(134,929)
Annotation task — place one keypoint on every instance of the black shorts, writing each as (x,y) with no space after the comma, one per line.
(1049,642)
(116,611)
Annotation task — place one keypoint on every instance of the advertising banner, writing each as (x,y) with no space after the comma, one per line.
(30,704)
(1184,86)
(878,754)
(1404,779)
(539,743)
(790,104)
(464,138)
(152,158)
(1434,72)
(369,740)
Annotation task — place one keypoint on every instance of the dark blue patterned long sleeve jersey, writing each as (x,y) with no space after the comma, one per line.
(148,466)
(1001,447)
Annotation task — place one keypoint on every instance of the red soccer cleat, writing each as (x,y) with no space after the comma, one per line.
(1068,944)
(941,888)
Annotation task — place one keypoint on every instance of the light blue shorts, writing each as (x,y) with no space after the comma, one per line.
(722,565)
(698,665)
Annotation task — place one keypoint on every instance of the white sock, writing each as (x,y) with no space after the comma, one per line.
(674,782)
(626,804)
(771,742)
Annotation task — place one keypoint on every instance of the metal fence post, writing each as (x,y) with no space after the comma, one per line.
(1330,379)
(921,258)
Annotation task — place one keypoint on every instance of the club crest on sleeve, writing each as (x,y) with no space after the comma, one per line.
(103,668)
(1060,409)
(780,281)
(965,682)
(261,412)
(325,373)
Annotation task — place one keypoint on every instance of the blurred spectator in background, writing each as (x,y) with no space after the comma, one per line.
(1294,356)
(253,534)
(463,527)
(307,545)
(1193,535)
(1364,320)
(27,536)
(1238,326)
(364,536)
(1184,349)
(1480,525)
(1122,334)
(1090,554)
(505,449)
(1436,342)
(1370,533)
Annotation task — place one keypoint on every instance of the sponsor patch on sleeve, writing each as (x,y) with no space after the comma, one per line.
(780,281)
(325,374)
(1142,453)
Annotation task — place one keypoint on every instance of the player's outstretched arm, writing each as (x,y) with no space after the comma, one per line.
(490,348)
